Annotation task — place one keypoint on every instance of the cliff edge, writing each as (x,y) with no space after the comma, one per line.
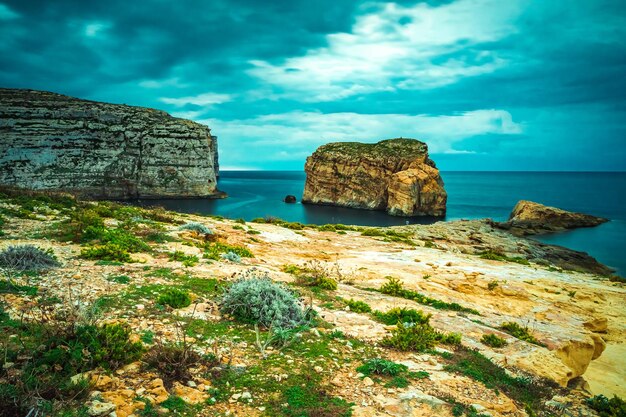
(50,141)
(395,175)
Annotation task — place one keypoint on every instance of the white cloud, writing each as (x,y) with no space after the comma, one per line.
(93,29)
(6,13)
(206,99)
(168,82)
(294,135)
(435,47)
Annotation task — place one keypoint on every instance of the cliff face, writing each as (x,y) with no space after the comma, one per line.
(100,150)
(394,175)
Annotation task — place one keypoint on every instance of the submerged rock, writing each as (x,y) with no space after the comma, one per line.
(529,218)
(394,175)
(50,141)
(290,199)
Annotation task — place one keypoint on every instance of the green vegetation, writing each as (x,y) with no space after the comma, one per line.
(174,298)
(389,235)
(10,287)
(358,306)
(214,251)
(196,227)
(530,393)
(119,279)
(28,258)
(418,337)
(493,340)
(492,285)
(522,333)
(614,407)
(107,252)
(380,366)
(232,257)
(187,260)
(312,274)
(402,315)
(394,287)
(257,299)
(499,256)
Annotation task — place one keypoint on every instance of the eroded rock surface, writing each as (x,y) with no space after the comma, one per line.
(53,142)
(394,175)
(530,218)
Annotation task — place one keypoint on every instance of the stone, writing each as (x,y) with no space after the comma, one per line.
(530,218)
(101,150)
(597,325)
(97,408)
(367,381)
(290,199)
(394,175)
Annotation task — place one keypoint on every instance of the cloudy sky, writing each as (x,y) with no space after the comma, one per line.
(488,84)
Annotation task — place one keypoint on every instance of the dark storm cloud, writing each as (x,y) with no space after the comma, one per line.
(491,84)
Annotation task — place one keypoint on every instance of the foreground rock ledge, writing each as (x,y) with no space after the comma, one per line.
(50,141)
(394,175)
(529,218)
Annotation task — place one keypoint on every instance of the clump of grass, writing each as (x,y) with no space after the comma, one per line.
(418,337)
(499,256)
(10,287)
(174,298)
(119,279)
(187,260)
(214,251)
(173,361)
(106,252)
(520,332)
(28,258)
(196,227)
(493,340)
(394,287)
(312,274)
(402,315)
(381,366)
(358,306)
(492,285)
(614,407)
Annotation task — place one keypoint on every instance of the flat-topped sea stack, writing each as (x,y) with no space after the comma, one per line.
(50,141)
(394,175)
(529,218)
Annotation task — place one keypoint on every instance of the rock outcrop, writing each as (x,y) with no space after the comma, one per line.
(50,141)
(530,218)
(394,175)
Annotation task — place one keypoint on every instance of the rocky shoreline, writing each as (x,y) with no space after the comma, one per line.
(469,276)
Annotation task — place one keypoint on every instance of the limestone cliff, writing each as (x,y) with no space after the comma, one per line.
(394,175)
(529,218)
(53,142)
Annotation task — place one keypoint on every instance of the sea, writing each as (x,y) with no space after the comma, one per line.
(471,195)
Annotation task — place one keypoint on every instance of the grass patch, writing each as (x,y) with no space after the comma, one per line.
(394,287)
(493,340)
(119,279)
(187,260)
(214,250)
(358,306)
(614,407)
(381,366)
(499,256)
(402,315)
(520,332)
(174,298)
(312,274)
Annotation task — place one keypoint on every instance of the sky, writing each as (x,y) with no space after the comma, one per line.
(487,84)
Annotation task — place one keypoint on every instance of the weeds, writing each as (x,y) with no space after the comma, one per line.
(28,258)
(402,315)
(499,256)
(522,333)
(381,366)
(187,260)
(493,340)
(418,337)
(174,298)
(614,407)
(358,306)
(216,249)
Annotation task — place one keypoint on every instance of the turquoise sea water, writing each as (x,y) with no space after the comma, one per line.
(471,195)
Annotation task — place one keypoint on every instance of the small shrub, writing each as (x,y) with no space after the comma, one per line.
(214,251)
(28,258)
(381,366)
(522,333)
(313,274)
(231,256)
(492,285)
(358,306)
(493,340)
(197,227)
(372,232)
(393,286)
(120,279)
(255,298)
(173,361)
(499,256)
(614,407)
(308,398)
(107,252)
(412,337)
(327,228)
(109,345)
(174,298)
(187,260)
(402,315)
(398,382)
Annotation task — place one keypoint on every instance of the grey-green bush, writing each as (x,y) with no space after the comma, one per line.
(255,298)
(231,256)
(196,227)
(28,258)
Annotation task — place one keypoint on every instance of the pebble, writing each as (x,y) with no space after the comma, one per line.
(368,381)
(318,369)
(246,395)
